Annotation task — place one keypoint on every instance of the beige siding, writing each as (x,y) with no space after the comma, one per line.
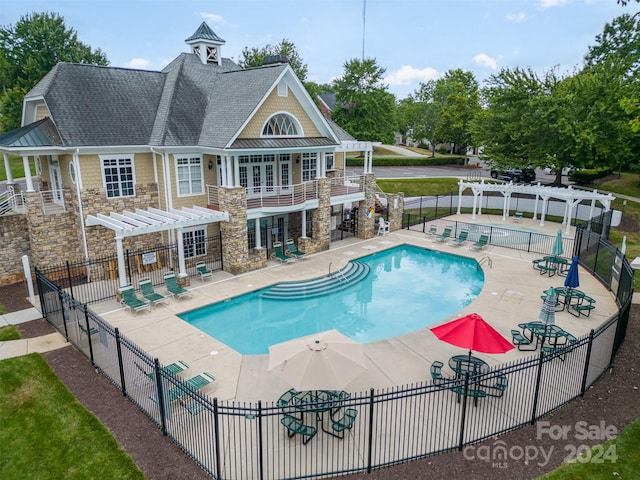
(273,104)
(41,112)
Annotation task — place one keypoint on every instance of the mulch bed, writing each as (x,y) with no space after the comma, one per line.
(614,400)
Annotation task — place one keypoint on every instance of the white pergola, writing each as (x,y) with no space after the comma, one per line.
(569,195)
(128,224)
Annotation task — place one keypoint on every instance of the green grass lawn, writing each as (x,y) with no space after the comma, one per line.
(17,168)
(618,458)
(47,433)
(10,332)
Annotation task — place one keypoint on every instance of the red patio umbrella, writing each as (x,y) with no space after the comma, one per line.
(472,332)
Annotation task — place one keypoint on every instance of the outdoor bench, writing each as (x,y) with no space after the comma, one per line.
(293,426)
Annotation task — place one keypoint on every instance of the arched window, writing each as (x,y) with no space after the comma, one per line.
(281,125)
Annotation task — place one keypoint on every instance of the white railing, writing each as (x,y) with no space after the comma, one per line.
(290,195)
(52,201)
(11,203)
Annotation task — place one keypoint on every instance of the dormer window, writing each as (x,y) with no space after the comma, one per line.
(282,125)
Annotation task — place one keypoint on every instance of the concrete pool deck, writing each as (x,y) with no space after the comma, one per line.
(511,295)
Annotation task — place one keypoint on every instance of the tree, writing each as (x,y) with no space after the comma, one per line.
(28,51)
(457,98)
(254,57)
(364,107)
(418,114)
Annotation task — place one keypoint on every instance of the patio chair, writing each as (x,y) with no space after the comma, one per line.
(203,271)
(433,230)
(280,255)
(195,383)
(171,284)
(149,294)
(383,226)
(517,217)
(293,250)
(456,242)
(294,425)
(436,372)
(444,236)
(482,242)
(131,300)
(345,422)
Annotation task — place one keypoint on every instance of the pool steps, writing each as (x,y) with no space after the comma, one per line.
(336,281)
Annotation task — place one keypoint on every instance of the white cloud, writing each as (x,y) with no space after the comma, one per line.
(544,4)
(138,63)
(516,17)
(407,74)
(213,18)
(485,60)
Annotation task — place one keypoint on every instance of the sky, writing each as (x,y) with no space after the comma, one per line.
(412,40)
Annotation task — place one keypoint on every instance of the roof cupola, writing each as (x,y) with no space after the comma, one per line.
(206,44)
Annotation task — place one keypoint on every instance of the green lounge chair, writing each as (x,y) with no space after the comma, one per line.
(194,383)
(131,300)
(149,294)
(280,255)
(203,271)
(445,235)
(433,230)
(293,426)
(456,242)
(173,368)
(291,247)
(517,217)
(482,242)
(173,288)
(343,423)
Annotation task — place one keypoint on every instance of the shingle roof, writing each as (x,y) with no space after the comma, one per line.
(187,103)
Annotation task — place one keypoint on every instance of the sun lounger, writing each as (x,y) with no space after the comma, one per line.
(171,284)
(481,243)
(517,217)
(131,300)
(203,271)
(445,235)
(194,383)
(149,294)
(456,242)
(280,255)
(291,247)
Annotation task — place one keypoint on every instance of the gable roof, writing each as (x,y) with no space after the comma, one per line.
(188,103)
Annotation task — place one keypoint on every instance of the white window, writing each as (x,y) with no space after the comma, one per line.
(189,175)
(329,158)
(281,125)
(309,166)
(118,176)
(194,242)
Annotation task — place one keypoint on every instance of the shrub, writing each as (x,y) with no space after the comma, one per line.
(588,175)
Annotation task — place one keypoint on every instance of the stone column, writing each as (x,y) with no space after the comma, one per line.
(366,223)
(235,252)
(396,209)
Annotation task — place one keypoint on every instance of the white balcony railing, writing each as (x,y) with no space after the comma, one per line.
(290,195)
(11,203)
(52,201)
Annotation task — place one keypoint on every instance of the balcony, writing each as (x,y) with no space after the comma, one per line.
(293,197)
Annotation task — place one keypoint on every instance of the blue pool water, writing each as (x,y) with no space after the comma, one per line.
(408,288)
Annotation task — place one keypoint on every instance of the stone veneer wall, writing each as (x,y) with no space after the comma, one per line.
(14,235)
(395,213)
(321,220)
(366,224)
(52,237)
(101,240)
(235,242)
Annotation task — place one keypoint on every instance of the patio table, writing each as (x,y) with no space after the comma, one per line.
(568,295)
(463,364)
(561,264)
(542,333)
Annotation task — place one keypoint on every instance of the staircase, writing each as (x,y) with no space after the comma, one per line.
(334,282)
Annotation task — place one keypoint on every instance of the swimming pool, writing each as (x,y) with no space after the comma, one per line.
(407,288)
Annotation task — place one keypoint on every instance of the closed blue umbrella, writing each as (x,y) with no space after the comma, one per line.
(557,245)
(572,281)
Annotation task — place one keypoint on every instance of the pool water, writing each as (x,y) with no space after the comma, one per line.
(408,288)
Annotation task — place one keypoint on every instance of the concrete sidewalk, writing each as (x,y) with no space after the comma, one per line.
(24,346)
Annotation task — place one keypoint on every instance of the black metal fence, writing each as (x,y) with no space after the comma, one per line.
(96,279)
(234,440)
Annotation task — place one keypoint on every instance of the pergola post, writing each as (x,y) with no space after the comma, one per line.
(122,269)
(182,269)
